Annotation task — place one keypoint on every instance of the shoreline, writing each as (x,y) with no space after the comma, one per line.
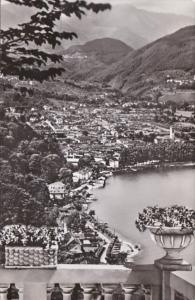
(138,168)
(137,247)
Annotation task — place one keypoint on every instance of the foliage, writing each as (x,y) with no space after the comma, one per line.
(35,164)
(22,48)
(50,166)
(21,235)
(76,222)
(167,151)
(37,187)
(174,216)
(25,170)
(19,206)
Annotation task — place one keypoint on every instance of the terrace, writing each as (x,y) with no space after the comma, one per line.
(107,282)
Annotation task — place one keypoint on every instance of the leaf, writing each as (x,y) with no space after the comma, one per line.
(20,49)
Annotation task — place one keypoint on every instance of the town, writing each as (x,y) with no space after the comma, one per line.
(95,137)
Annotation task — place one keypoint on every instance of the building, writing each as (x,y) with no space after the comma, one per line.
(82,175)
(57,190)
(114,163)
(172,134)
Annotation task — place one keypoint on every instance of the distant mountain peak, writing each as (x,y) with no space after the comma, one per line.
(105,50)
(170,53)
(134,26)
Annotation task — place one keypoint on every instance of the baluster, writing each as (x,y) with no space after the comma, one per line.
(3,292)
(12,292)
(87,292)
(67,291)
(57,292)
(97,293)
(108,292)
(119,293)
(21,293)
(129,291)
(77,292)
(147,292)
(138,294)
(49,290)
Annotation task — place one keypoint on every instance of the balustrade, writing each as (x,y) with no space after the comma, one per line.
(96,283)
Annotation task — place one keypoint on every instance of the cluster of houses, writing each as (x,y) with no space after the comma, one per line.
(180,81)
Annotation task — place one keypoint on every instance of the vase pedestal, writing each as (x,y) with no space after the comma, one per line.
(173,261)
(173,241)
(172,264)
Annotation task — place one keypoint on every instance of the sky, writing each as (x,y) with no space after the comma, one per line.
(184,7)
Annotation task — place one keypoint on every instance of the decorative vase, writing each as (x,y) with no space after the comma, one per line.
(30,257)
(173,240)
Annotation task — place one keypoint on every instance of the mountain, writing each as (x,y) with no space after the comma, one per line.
(136,27)
(107,50)
(83,61)
(185,7)
(172,52)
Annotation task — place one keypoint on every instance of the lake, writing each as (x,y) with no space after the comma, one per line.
(126,195)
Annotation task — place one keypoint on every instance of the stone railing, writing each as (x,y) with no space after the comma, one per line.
(77,282)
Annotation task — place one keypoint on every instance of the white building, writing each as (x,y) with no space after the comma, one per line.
(57,190)
(82,175)
(114,163)
(73,160)
(172,134)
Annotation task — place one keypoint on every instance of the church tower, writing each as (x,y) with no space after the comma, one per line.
(172,134)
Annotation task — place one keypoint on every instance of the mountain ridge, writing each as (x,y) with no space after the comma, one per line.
(172,52)
(136,27)
(138,68)
(82,61)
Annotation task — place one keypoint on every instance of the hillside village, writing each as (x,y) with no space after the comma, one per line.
(111,112)
(97,149)
(100,136)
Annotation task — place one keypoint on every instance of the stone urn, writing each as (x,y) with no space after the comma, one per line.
(173,240)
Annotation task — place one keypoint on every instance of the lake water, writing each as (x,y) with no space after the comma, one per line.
(126,195)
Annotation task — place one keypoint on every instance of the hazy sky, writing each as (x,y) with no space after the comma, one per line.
(185,7)
(168,6)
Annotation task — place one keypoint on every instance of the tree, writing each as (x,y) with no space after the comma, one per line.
(65,175)
(4,152)
(21,50)
(52,216)
(35,164)
(92,212)
(38,189)
(2,112)
(18,206)
(50,166)
(6,173)
(18,162)
(73,220)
